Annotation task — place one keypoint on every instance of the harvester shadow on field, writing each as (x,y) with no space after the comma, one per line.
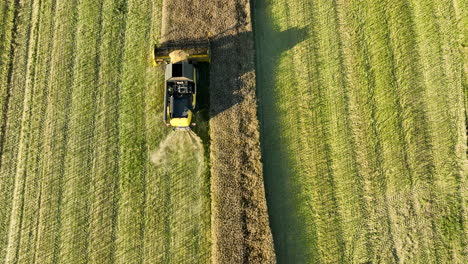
(227,73)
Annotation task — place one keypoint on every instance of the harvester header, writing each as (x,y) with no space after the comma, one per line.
(181,80)
(194,51)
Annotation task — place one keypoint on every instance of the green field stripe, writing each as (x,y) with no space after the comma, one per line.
(103,198)
(347,180)
(182,194)
(78,161)
(12,187)
(6,61)
(42,66)
(417,124)
(362,102)
(314,163)
(321,61)
(26,238)
(133,157)
(156,235)
(453,169)
(6,28)
(413,239)
(428,39)
(436,28)
(55,134)
(462,20)
(291,218)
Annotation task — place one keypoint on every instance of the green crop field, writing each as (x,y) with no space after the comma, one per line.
(363,129)
(81,118)
(327,132)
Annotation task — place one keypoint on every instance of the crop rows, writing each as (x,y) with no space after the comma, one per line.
(80,119)
(366,107)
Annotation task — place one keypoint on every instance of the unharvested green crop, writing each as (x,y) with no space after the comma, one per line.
(364,103)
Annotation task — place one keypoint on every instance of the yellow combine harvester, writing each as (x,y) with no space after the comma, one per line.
(180,93)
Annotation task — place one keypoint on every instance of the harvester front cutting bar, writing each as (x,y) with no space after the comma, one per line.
(197,50)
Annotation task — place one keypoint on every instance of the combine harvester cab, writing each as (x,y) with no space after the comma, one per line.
(180,95)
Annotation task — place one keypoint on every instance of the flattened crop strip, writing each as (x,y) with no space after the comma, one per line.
(314,62)
(105,169)
(347,181)
(391,116)
(78,159)
(291,218)
(55,133)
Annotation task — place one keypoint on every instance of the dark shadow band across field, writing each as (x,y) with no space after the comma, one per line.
(292,243)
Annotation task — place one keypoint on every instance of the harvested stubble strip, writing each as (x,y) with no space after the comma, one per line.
(11,187)
(103,198)
(74,219)
(240,229)
(133,157)
(55,133)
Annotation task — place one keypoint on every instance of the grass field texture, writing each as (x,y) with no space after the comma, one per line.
(363,130)
(81,116)
(362,108)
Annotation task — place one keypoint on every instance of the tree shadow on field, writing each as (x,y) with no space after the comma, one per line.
(293,240)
